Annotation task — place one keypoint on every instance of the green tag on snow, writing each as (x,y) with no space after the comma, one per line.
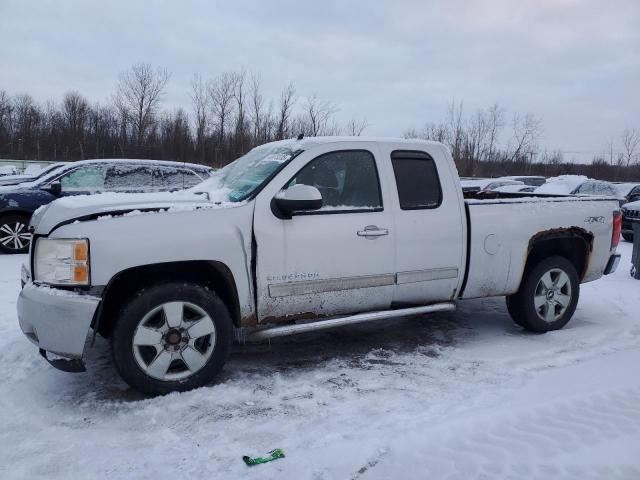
(272,455)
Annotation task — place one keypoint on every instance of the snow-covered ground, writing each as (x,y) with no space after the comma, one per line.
(460,395)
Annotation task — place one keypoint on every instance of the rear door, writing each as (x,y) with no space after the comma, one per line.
(339,259)
(428,223)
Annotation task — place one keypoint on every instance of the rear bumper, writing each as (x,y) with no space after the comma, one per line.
(612,264)
(55,320)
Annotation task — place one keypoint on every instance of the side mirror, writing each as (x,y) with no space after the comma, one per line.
(55,188)
(298,198)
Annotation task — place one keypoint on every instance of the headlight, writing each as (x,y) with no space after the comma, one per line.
(61,262)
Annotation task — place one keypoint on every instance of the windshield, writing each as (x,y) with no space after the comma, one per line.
(47,170)
(240,179)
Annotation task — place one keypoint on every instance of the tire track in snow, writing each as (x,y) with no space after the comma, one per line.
(531,443)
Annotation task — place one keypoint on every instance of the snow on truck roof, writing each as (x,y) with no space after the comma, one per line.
(307,142)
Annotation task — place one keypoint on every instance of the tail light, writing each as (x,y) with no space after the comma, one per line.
(617,227)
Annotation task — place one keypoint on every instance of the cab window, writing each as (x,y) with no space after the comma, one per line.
(347,180)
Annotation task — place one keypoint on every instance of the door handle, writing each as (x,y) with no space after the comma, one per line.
(373,231)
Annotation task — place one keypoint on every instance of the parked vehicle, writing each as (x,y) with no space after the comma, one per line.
(561,185)
(599,188)
(630,215)
(629,191)
(530,180)
(330,230)
(486,184)
(515,188)
(18,202)
(581,185)
(24,178)
(6,170)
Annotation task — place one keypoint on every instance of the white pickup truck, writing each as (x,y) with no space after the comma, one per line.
(296,236)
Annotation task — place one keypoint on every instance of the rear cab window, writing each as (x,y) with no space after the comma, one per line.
(417,180)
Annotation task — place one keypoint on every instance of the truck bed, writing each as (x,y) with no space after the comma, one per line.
(502,226)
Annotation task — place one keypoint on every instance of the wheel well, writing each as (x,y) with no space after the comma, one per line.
(214,275)
(20,213)
(575,244)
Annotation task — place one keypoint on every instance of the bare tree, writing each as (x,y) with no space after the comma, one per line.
(630,144)
(200,102)
(456,129)
(239,96)
(221,91)
(526,131)
(287,100)
(355,127)
(476,138)
(257,109)
(75,109)
(138,94)
(318,116)
(495,115)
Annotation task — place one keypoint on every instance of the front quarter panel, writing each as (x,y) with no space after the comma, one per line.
(208,234)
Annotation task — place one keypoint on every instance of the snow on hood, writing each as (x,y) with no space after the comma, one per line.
(106,204)
(563,185)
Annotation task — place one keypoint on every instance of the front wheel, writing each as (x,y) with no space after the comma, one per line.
(171,337)
(14,234)
(548,296)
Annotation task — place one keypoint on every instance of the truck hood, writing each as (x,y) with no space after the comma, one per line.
(102,206)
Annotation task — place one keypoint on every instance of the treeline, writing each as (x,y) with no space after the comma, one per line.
(229,115)
(488,144)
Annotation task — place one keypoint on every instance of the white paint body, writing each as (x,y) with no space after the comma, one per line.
(317,265)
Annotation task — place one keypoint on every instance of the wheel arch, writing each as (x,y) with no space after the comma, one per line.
(573,243)
(211,274)
(16,211)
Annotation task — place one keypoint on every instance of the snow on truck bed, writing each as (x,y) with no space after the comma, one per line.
(464,395)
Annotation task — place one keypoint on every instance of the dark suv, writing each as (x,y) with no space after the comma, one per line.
(18,202)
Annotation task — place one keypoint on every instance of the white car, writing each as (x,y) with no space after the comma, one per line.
(296,236)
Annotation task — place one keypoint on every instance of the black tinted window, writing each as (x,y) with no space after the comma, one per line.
(347,180)
(417,180)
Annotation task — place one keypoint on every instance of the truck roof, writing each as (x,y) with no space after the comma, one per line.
(307,142)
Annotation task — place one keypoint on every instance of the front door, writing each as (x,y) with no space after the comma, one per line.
(339,259)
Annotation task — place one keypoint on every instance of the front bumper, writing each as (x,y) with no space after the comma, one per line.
(57,321)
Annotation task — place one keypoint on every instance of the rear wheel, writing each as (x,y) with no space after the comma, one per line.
(171,337)
(628,237)
(548,296)
(14,234)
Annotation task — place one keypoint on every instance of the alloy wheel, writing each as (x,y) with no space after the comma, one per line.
(174,341)
(552,295)
(14,235)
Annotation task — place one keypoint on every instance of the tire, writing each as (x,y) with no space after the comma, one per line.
(156,346)
(14,234)
(628,237)
(540,309)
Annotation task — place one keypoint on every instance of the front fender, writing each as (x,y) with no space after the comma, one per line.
(123,242)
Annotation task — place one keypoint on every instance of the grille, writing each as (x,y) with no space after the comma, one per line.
(631,213)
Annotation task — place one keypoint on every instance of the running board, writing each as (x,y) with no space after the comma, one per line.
(272,332)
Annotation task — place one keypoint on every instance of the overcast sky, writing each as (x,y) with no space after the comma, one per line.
(575,64)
